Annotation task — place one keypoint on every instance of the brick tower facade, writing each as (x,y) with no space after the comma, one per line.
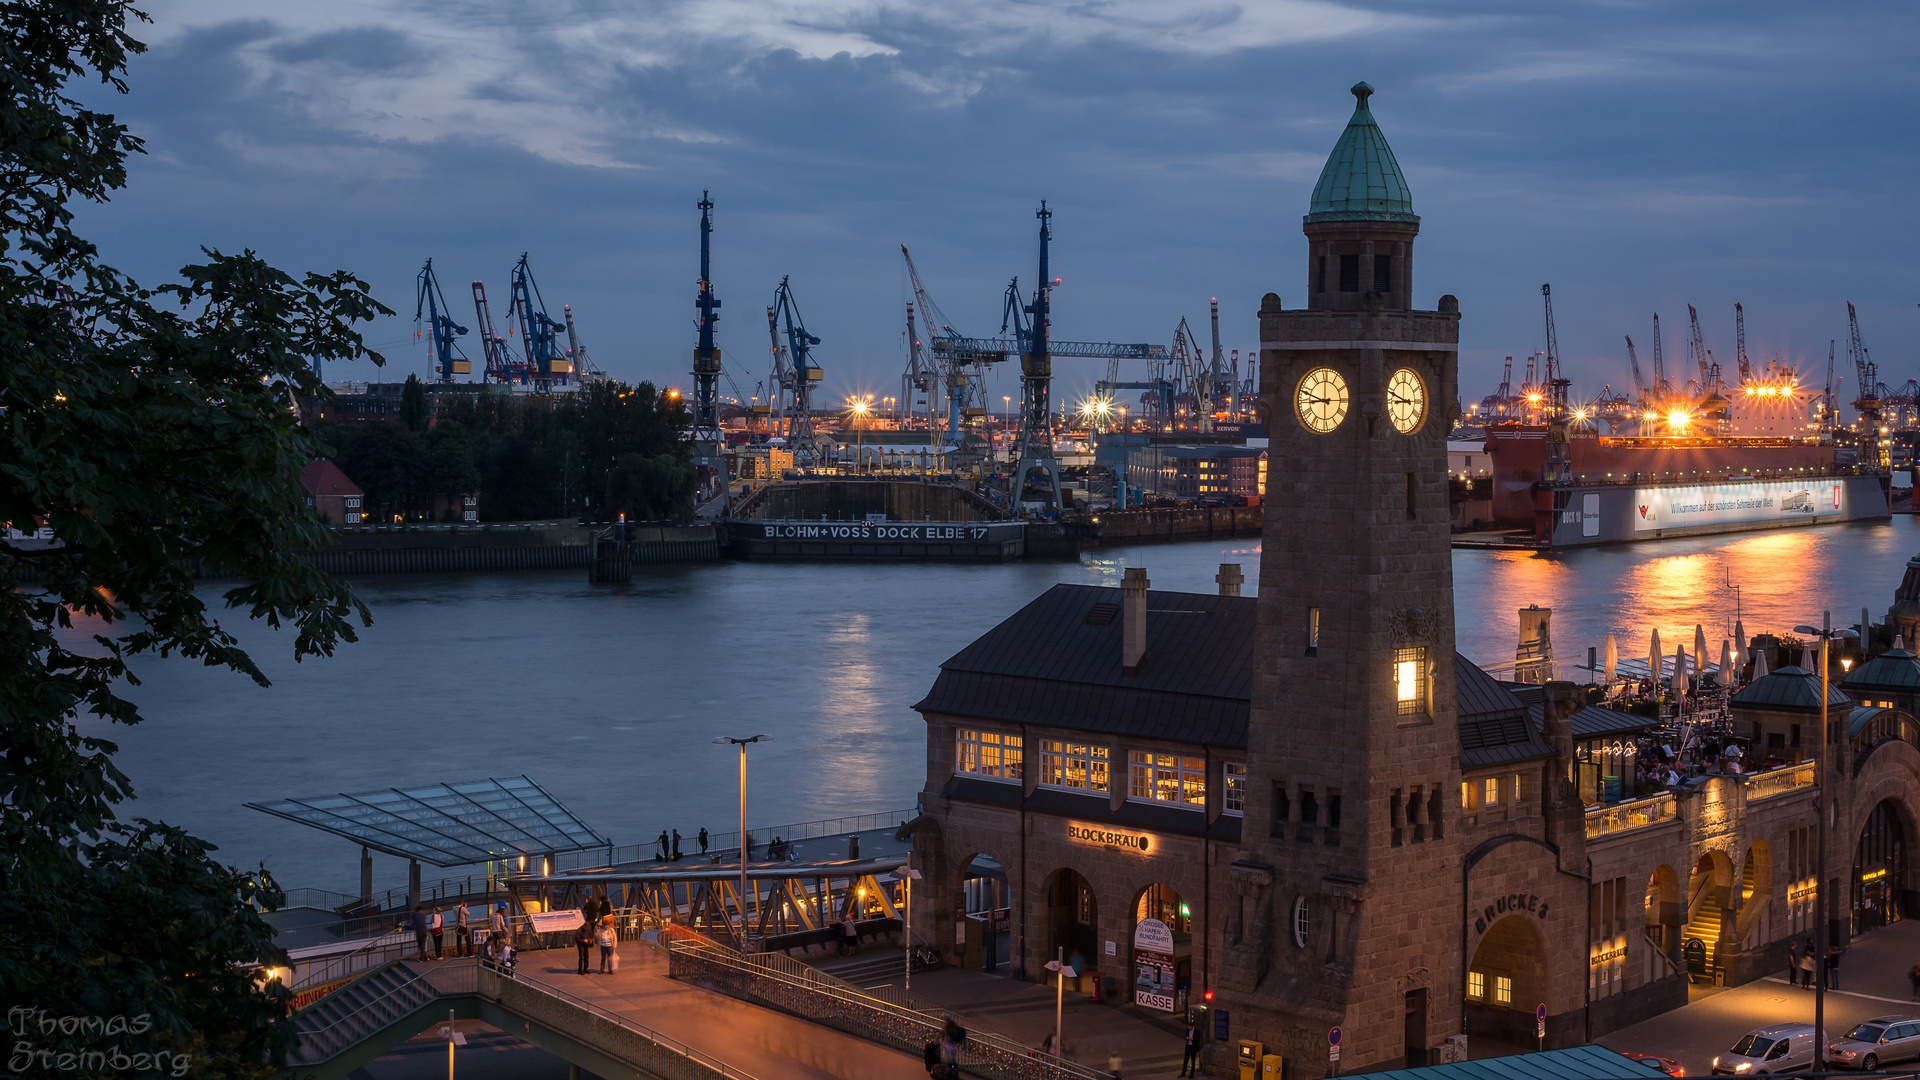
(1349,873)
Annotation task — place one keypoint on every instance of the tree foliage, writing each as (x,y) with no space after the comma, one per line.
(608,449)
(151,429)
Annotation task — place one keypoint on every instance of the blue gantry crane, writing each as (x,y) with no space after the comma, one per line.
(431,303)
(805,372)
(547,363)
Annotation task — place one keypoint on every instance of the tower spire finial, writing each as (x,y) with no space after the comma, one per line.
(1361,92)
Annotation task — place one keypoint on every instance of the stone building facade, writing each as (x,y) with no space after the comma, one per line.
(1335,819)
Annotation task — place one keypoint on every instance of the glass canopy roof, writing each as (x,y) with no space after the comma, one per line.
(447,824)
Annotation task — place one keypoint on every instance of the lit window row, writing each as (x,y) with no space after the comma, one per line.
(1166,778)
(1477,988)
(990,754)
(1074,766)
(1083,767)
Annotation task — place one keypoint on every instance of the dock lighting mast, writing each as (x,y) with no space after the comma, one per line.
(805,372)
(1036,459)
(538,333)
(448,360)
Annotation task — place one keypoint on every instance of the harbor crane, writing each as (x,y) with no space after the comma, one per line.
(538,331)
(805,372)
(1866,372)
(448,360)
(1559,468)
(1829,412)
(1740,344)
(706,355)
(955,362)
(500,365)
(1661,385)
(583,367)
(1709,371)
(1639,382)
(780,388)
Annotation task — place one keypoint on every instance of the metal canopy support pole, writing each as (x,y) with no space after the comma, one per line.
(413,884)
(366,874)
(1821,901)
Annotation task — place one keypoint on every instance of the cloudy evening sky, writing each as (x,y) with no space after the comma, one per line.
(1638,156)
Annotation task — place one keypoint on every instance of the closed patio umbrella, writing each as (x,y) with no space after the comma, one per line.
(1613,659)
(1699,645)
(1726,661)
(1679,670)
(1759,664)
(1653,659)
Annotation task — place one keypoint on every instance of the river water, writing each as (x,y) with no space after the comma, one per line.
(611,697)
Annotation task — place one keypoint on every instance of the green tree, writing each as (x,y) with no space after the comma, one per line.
(413,404)
(386,460)
(146,428)
(450,467)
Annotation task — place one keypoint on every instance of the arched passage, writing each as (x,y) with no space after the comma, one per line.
(1072,917)
(1755,924)
(1709,898)
(984,907)
(1506,979)
(1162,961)
(1663,916)
(1878,865)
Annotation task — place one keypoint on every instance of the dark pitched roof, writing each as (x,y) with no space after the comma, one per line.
(1593,721)
(1789,689)
(1049,663)
(323,477)
(1896,669)
(1056,663)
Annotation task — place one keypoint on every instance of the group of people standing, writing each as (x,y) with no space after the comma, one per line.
(1801,959)
(596,928)
(433,924)
(670,845)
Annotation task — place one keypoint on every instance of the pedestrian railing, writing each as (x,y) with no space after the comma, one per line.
(1779,781)
(728,843)
(1634,814)
(887,1015)
(664,1042)
(380,951)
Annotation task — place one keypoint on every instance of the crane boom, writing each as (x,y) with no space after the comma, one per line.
(492,345)
(538,332)
(1740,343)
(1633,361)
(805,372)
(1557,383)
(1700,355)
(1660,384)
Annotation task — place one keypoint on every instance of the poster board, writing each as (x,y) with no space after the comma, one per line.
(1153,965)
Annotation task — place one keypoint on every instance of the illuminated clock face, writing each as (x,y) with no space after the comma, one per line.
(1406,401)
(1321,400)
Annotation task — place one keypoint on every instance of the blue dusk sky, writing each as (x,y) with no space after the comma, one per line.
(1638,156)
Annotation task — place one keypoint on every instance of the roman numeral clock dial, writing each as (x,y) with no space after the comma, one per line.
(1321,401)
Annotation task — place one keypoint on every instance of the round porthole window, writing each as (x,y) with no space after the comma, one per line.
(1301,922)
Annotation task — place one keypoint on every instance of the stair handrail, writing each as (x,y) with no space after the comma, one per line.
(665,1042)
(335,965)
(1665,960)
(413,978)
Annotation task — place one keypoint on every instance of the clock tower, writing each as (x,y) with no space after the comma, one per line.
(1349,870)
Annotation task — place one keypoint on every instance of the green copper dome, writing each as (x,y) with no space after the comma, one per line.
(1362,182)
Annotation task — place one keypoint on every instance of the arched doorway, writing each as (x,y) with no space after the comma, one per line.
(1878,861)
(986,915)
(1663,913)
(1161,940)
(1755,924)
(1507,978)
(1072,918)
(1709,894)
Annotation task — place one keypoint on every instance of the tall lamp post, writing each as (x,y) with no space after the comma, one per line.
(1821,902)
(742,898)
(909,875)
(1063,971)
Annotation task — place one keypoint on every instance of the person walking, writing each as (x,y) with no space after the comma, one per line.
(1793,962)
(462,933)
(436,926)
(604,937)
(583,939)
(1806,964)
(1190,1062)
(420,930)
(703,839)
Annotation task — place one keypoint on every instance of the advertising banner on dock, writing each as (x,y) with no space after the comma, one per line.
(1724,504)
(932,531)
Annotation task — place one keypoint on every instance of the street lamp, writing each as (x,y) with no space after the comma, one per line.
(742,898)
(1065,972)
(1827,634)
(909,875)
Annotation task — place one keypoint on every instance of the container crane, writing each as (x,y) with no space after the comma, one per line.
(500,366)
(805,372)
(538,331)
(448,360)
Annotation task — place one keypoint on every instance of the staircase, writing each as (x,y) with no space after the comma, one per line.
(1704,916)
(866,970)
(358,1011)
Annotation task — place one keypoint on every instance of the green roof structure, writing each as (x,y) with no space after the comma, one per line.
(1896,669)
(1588,1062)
(1790,689)
(1361,180)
